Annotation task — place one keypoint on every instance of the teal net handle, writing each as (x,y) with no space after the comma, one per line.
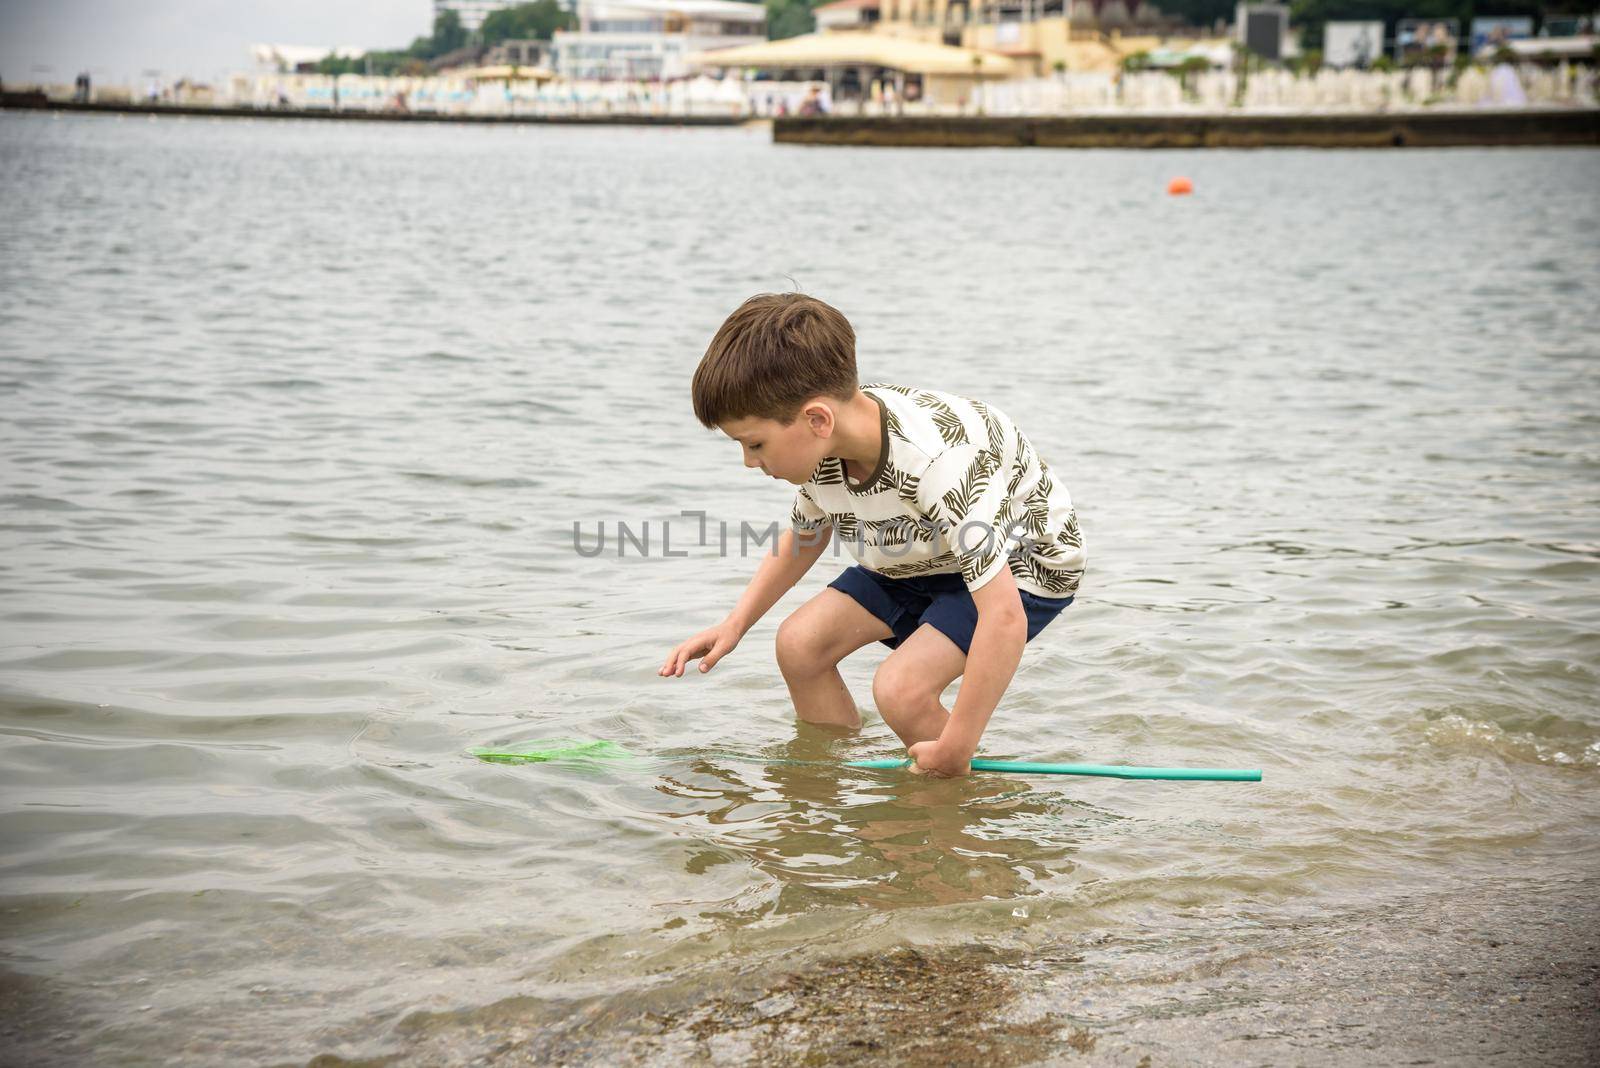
(608,754)
(1112,770)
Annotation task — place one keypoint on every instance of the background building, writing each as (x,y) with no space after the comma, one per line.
(1264,29)
(1038,36)
(519,53)
(652,39)
(846,15)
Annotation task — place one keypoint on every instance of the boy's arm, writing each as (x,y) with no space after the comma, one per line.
(779,571)
(791,558)
(997,643)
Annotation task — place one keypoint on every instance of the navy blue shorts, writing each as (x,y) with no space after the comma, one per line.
(942,601)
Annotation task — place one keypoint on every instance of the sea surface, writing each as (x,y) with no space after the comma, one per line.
(298,421)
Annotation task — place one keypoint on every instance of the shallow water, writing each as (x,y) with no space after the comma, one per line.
(298,422)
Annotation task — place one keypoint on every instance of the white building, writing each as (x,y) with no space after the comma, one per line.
(472,12)
(846,15)
(652,39)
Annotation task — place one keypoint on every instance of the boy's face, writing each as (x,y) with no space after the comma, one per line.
(788,451)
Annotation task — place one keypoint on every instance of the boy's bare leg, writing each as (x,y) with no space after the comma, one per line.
(909,683)
(812,641)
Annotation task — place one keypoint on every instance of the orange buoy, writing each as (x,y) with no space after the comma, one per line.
(1180,186)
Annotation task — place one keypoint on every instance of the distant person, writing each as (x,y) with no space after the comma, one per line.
(966,544)
(1365,50)
(1505,87)
(812,104)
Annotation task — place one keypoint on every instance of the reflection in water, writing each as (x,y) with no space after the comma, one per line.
(834,836)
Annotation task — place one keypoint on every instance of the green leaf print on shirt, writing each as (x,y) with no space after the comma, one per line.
(948,423)
(964,497)
(829,473)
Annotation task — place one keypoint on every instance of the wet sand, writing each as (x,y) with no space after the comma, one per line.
(1494,975)
(1489,975)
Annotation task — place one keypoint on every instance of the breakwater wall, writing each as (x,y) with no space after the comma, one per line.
(37,102)
(1408,129)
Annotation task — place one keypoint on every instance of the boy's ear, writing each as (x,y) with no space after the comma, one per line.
(819,417)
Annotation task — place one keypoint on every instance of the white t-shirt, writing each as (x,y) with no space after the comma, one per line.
(958,489)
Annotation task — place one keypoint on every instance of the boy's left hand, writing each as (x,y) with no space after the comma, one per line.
(927,758)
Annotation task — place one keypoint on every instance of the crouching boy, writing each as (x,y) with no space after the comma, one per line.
(966,544)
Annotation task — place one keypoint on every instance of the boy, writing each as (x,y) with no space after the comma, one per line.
(966,545)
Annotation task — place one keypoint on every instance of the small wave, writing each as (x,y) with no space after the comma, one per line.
(284,383)
(473,483)
(1453,731)
(28,502)
(371,541)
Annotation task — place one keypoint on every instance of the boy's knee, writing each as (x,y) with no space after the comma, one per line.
(798,648)
(896,689)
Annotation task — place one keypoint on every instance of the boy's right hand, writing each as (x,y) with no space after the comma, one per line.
(710,645)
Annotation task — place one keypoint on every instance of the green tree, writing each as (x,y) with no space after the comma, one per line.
(339,65)
(381,64)
(448,35)
(1188,71)
(1198,12)
(539,19)
(526,21)
(788,18)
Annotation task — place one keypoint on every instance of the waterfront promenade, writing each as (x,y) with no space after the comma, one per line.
(1416,128)
(39,102)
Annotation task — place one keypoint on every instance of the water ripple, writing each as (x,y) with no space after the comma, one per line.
(300,420)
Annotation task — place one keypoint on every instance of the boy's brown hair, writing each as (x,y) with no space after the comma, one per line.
(774,353)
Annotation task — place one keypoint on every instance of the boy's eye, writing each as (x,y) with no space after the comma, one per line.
(753,448)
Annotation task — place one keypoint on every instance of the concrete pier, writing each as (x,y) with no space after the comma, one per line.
(1409,129)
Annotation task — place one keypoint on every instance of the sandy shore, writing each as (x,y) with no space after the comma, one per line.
(1505,974)
(1494,975)
(1501,974)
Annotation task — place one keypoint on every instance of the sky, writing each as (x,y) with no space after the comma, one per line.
(120,41)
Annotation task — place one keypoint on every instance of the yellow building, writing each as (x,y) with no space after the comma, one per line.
(939,51)
(854,64)
(1039,36)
